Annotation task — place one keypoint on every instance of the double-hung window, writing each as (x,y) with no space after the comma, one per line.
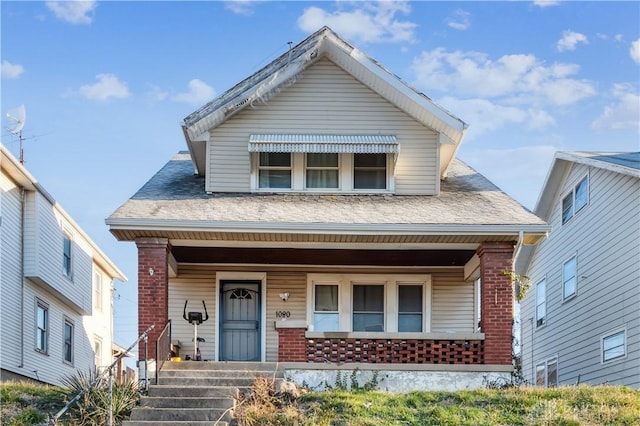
(369,171)
(547,373)
(541,303)
(97,290)
(410,308)
(576,200)
(42,327)
(569,279)
(66,254)
(274,170)
(322,171)
(325,311)
(368,307)
(68,342)
(97,352)
(614,346)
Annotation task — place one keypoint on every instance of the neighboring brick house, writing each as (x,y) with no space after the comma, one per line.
(581,318)
(322,216)
(55,285)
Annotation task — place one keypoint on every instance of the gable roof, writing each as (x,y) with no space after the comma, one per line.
(174,202)
(283,71)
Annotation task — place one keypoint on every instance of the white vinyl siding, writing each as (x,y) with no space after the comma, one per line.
(606,237)
(453,303)
(324,99)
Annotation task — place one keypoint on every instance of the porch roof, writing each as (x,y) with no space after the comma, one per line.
(469,209)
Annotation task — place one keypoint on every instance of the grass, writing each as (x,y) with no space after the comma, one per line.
(28,404)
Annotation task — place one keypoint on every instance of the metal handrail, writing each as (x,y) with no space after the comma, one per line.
(163,342)
(99,377)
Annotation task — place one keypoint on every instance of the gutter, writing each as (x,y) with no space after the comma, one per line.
(22,219)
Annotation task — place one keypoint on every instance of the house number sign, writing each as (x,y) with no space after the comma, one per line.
(283,314)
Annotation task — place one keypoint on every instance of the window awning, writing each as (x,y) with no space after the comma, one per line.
(358,144)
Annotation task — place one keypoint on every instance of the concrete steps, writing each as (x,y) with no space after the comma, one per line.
(198,393)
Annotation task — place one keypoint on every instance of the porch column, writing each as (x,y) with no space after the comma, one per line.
(496,304)
(153,289)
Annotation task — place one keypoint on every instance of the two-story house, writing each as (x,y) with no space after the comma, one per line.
(55,285)
(323,218)
(581,316)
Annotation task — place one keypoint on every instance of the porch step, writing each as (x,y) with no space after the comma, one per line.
(198,393)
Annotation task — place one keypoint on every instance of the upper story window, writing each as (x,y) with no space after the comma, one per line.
(541,303)
(576,200)
(97,290)
(66,254)
(323,163)
(569,279)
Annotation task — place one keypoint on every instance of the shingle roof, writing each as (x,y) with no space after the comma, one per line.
(466,198)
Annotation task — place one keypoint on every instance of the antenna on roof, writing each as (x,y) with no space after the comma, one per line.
(290,43)
(18,115)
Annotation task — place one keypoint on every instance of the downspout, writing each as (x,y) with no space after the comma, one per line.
(22,219)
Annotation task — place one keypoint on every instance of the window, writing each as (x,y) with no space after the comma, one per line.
(569,281)
(325,311)
(66,254)
(322,171)
(541,303)
(614,346)
(97,350)
(547,373)
(369,171)
(368,307)
(42,327)
(68,341)
(97,290)
(275,170)
(410,308)
(576,200)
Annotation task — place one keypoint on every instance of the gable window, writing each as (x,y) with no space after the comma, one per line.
(614,346)
(68,342)
(576,200)
(541,303)
(368,307)
(369,171)
(66,254)
(97,291)
(569,280)
(410,308)
(42,327)
(547,373)
(322,171)
(275,170)
(325,311)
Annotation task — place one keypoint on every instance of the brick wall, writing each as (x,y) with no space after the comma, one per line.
(496,301)
(291,345)
(153,289)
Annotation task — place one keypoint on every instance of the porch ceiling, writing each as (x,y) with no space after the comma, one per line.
(291,256)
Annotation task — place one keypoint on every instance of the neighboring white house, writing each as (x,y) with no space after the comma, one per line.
(581,316)
(55,285)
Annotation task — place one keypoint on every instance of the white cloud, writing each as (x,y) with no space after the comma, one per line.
(460,20)
(155,93)
(74,12)
(516,79)
(570,40)
(546,3)
(240,7)
(199,93)
(623,113)
(10,70)
(368,22)
(107,87)
(634,51)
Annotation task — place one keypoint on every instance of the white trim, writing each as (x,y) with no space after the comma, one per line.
(321,143)
(239,276)
(328,245)
(67,320)
(609,334)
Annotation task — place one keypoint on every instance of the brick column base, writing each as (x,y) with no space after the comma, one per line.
(292,345)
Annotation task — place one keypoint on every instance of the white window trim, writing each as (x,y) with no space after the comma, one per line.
(546,316)
(391,282)
(545,364)
(612,333)
(345,176)
(339,170)
(66,234)
(98,356)
(572,194)
(98,294)
(66,320)
(41,303)
(575,292)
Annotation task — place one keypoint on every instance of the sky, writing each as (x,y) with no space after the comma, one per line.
(107,84)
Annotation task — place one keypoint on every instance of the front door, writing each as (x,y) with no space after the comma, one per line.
(240,320)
